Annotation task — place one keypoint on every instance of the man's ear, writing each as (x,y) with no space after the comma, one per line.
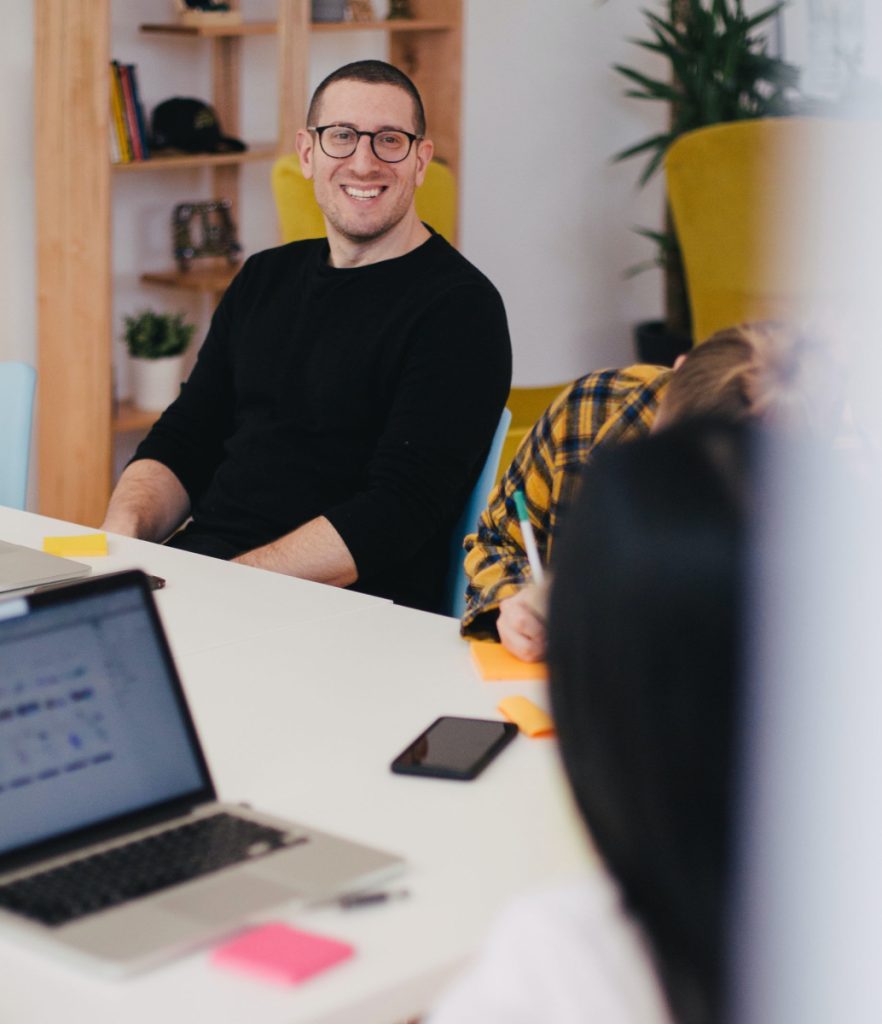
(425,149)
(678,362)
(305,146)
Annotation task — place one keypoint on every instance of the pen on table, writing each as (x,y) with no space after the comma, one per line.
(529,537)
(365,899)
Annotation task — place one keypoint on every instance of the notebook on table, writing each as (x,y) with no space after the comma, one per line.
(113,846)
(23,568)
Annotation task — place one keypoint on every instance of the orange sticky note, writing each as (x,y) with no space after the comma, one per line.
(79,544)
(281,954)
(528,717)
(494,663)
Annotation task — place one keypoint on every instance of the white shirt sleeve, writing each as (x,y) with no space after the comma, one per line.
(567,956)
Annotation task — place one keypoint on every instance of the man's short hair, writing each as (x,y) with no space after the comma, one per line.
(374,72)
(765,370)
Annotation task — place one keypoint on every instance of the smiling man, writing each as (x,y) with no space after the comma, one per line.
(332,426)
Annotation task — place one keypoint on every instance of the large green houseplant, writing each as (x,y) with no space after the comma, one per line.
(719,69)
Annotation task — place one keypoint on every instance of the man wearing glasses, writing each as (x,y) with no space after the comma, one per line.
(332,426)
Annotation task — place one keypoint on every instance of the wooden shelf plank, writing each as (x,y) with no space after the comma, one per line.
(261,151)
(197,279)
(244,28)
(392,25)
(128,417)
(255,28)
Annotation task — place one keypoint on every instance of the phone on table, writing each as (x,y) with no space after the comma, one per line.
(455,748)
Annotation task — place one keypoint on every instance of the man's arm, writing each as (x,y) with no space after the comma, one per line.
(149,502)
(314,551)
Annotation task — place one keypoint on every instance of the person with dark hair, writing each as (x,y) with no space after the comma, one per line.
(763,371)
(325,431)
(645,654)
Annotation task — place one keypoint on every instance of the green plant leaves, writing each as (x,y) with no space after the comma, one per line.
(152,335)
(720,71)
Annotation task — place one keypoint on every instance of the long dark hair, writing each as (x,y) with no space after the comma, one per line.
(644,655)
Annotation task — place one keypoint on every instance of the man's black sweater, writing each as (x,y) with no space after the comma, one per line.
(366,395)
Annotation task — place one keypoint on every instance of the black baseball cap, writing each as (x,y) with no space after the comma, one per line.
(191,125)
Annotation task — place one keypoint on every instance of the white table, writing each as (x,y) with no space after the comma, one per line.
(206,601)
(300,709)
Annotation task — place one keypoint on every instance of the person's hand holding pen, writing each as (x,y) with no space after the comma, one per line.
(521,622)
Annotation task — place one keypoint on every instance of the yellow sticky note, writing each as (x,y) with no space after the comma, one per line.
(80,544)
(495,664)
(528,717)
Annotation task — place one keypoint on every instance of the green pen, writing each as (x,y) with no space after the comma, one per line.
(529,537)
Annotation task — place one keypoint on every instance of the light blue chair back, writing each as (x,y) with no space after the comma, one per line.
(454,601)
(17,381)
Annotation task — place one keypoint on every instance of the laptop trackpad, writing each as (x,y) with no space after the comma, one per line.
(218,900)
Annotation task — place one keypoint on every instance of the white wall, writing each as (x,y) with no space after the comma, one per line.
(18,314)
(545,213)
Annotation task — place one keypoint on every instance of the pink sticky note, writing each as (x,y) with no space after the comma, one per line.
(281,954)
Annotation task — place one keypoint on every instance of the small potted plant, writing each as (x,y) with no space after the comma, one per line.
(156,343)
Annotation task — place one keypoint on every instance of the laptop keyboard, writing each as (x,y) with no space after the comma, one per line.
(140,868)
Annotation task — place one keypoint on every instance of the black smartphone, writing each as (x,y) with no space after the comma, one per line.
(455,748)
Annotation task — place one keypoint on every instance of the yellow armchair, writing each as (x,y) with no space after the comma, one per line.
(300,216)
(748,205)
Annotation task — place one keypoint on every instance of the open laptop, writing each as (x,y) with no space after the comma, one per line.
(112,844)
(23,568)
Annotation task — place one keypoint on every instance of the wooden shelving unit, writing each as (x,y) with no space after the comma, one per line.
(75,417)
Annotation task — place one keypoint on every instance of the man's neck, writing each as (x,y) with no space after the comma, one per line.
(407,235)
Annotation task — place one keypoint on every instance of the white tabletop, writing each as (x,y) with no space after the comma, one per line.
(206,601)
(301,717)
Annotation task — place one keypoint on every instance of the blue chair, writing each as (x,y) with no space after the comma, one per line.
(17,381)
(454,595)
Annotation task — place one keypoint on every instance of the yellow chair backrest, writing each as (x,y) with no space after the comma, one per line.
(744,200)
(300,216)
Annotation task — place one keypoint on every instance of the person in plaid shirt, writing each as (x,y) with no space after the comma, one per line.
(737,373)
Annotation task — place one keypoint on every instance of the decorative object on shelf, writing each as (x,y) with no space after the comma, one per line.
(328,10)
(156,343)
(359,10)
(192,126)
(399,9)
(206,12)
(215,237)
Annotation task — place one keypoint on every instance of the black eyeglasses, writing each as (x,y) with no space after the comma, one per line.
(339,141)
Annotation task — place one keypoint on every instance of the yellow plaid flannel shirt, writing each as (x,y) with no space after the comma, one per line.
(607,406)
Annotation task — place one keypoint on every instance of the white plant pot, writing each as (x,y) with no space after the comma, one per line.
(155,382)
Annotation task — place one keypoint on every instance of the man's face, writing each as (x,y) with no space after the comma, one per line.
(361,196)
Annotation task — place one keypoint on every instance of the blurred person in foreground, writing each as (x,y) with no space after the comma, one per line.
(763,370)
(645,654)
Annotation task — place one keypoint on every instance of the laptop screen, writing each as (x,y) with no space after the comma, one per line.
(92,725)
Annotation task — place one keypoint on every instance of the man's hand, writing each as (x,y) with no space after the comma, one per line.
(521,623)
(149,502)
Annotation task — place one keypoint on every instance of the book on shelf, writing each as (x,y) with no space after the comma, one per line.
(128,114)
(140,119)
(117,113)
(125,80)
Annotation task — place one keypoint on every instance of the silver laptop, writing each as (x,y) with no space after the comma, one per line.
(112,844)
(23,568)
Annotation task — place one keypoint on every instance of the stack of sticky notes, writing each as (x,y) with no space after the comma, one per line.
(532,720)
(276,952)
(495,664)
(80,545)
